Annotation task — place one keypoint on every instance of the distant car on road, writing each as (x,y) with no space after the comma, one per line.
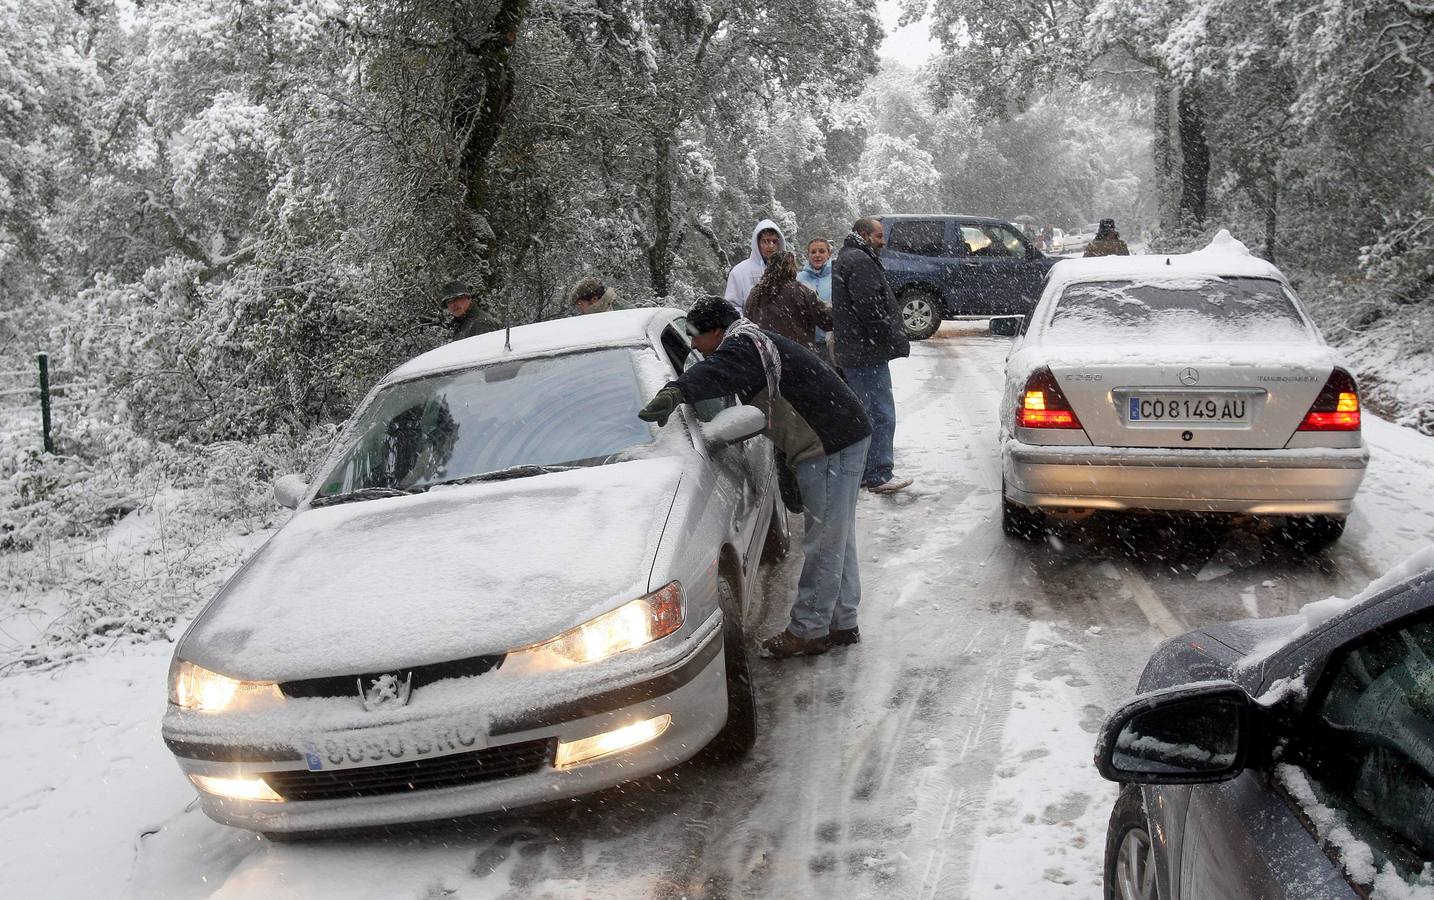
(1259,761)
(1191,383)
(502,588)
(944,266)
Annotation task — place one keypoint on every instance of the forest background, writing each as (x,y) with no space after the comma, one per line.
(224,219)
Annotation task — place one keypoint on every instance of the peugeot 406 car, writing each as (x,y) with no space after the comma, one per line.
(1192,383)
(501,588)
(1286,759)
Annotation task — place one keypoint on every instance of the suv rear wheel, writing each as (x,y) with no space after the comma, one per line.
(919,316)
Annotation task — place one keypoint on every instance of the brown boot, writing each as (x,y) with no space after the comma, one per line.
(786,644)
(844,637)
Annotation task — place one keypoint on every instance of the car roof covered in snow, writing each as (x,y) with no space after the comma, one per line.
(618,328)
(903,217)
(1225,257)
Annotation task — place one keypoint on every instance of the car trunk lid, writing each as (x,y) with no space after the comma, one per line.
(1230,397)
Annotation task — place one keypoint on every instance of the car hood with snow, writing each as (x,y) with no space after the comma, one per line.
(452,573)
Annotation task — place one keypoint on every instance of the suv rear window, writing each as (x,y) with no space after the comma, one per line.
(1242,310)
(920,238)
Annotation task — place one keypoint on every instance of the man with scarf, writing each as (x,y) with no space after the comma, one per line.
(819,423)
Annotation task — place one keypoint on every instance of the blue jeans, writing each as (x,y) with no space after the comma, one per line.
(872,386)
(829,588)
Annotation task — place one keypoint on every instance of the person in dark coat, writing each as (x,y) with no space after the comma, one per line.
(466,320)
(868,336)
(816,420)
(1107,241)
(783,304)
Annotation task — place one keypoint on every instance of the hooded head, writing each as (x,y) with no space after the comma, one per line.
(781,243)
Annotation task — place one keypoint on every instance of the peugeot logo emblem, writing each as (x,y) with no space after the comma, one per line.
(385,690)
(1189,376)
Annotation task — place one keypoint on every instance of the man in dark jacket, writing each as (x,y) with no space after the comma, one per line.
(868,336)
(816,420)
(466,319)
(1107,241)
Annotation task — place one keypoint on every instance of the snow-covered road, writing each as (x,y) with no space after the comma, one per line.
(947,756)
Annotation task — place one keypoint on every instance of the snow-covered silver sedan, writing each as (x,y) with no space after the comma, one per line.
(501,588)
(1193,382)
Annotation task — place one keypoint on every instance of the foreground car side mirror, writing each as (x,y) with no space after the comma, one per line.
(1007,326)
(290,489)
(1197,733)
(734,425)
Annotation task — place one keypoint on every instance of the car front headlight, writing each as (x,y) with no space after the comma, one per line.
(195,687)
(632,625)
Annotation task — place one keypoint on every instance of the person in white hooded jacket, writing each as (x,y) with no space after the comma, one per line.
(766,239)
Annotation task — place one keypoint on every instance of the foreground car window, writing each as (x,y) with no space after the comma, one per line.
(1242,310)
(574,409)
(1369,745)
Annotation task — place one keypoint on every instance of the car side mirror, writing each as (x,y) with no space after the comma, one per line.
(290,489)
(1007,326)
(1190,734)
(734,425)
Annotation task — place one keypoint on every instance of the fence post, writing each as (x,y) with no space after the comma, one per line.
(45,401)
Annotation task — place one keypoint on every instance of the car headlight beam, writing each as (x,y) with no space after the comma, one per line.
(632,625)
(195,687)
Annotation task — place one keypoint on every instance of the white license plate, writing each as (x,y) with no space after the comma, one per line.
(1187,409)
(385,746)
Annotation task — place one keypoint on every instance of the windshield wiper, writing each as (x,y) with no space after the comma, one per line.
(367,493)
(503,475)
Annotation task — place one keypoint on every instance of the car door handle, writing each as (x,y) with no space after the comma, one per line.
(971,264)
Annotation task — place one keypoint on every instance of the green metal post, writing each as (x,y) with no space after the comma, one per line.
(45,401)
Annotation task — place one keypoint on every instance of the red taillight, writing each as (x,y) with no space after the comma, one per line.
(1337,406)
(1044,404)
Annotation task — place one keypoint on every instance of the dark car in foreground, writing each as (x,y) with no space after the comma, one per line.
(1282,758)
(944,266)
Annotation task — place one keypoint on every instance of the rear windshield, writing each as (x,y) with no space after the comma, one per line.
(1243,310)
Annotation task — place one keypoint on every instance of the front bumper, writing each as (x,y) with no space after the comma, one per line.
(691,689)
(1318,481)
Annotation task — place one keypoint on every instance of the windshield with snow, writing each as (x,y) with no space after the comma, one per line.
(1238,310)
(578,409)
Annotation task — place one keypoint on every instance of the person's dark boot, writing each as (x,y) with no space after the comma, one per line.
(844,637)
(785,645)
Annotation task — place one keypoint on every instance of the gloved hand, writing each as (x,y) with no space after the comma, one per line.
(662,405)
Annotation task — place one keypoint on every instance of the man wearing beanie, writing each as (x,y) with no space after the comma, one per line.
(592,296)
(466,319)
(819,423)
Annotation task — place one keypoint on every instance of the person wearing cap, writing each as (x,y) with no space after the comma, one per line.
(819,423)
(1107,241)
(590,295)
(466,321)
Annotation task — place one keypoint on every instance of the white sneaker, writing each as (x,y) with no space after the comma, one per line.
(892,486)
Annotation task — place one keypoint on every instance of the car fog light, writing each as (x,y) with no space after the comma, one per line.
(570,753)
(236,788)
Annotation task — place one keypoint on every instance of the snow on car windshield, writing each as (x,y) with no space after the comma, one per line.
(1238,310)
(578,409)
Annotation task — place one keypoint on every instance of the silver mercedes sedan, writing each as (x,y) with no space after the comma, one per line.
(1193,382)
(501,588)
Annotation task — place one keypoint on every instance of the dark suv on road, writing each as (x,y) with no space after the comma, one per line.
(942,267)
